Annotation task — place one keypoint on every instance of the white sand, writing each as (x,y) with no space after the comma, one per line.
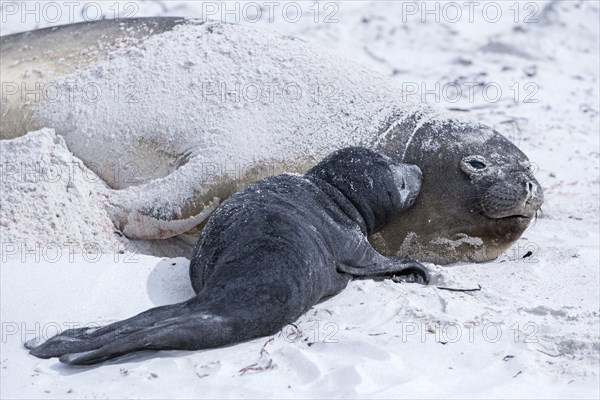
(531,332)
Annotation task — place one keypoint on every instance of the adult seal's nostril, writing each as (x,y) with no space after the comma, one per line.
(534,192)
(531,187)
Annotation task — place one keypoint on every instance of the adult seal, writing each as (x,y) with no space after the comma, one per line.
(266,256)
(176,115)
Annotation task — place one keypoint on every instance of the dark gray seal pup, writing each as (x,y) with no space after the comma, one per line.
(266,256)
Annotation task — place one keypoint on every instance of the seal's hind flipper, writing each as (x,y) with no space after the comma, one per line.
(86,339)
(184,332)
(190,325)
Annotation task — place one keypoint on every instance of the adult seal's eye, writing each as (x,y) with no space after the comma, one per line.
(477,164)
(474,165)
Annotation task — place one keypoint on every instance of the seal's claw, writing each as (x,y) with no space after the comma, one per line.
(415,273)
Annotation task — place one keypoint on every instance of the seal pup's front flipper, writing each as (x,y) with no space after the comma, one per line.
(406,270)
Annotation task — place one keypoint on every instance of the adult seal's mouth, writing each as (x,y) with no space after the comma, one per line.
(516,194)
(516,217)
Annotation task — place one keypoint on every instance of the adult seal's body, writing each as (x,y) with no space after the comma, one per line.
(176,115)
(266,256)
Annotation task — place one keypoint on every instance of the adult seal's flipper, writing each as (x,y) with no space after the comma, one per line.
(172,205)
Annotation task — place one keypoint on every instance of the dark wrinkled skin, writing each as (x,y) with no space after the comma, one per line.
(266,256)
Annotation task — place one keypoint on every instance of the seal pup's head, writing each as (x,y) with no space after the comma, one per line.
(478,192)
(378,187)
